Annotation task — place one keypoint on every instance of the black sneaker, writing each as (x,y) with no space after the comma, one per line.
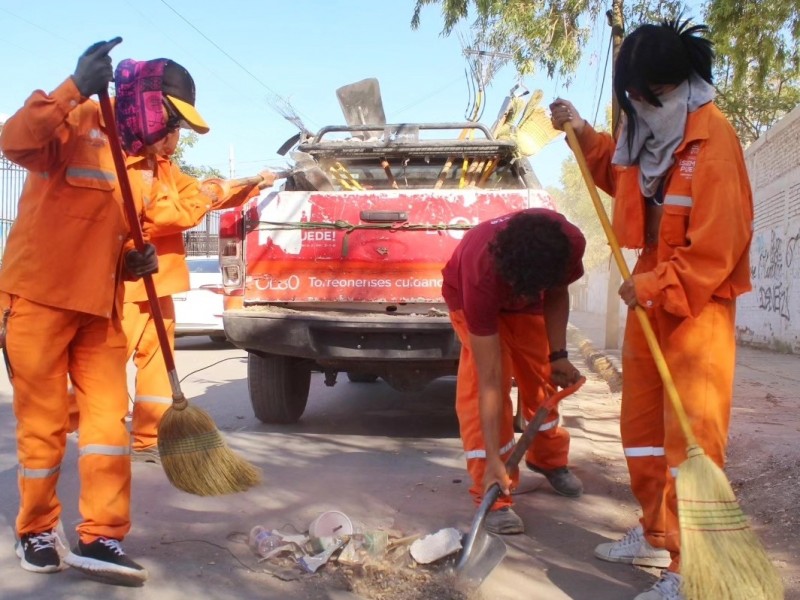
(38,552)
(561,479)
(104,560)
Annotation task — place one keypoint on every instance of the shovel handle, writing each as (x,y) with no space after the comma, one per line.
(525,440)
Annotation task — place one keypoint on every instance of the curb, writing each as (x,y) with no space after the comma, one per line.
(597,361)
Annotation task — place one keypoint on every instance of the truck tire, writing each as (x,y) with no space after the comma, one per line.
(357,377)
(278,387)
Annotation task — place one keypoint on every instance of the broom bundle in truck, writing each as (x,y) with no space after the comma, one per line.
(340,269)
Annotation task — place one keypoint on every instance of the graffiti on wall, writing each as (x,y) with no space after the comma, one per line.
(776,265)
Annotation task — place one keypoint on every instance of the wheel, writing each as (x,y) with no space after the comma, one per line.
(357,377)
(278,387)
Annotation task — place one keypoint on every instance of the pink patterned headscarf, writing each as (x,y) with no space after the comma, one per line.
(139,103)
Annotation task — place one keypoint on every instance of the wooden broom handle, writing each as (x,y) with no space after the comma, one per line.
(644,321)
(138,239)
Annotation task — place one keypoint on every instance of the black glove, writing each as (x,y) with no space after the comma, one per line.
(94,72)
(142,263)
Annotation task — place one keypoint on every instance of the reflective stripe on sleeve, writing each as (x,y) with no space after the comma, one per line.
(482,453)
(674,472)
(644,451)
(38,473)
(678,200)
(91,174)
(152,399)
(104,450)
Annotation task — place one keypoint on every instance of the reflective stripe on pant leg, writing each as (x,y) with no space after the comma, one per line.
(98,374)
(37,341)
(153,390)
(525,338)
(469,420)
(701,354)
(642,422)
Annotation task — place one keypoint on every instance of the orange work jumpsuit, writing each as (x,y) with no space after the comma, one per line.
(469,278)
(61,293)
(175,202)
(687,277)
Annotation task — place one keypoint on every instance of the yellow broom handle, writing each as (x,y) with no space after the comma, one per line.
(649,334)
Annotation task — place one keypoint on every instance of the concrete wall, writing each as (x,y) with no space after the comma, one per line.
(769,316)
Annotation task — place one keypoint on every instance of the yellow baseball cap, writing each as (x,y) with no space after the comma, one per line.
(178,87)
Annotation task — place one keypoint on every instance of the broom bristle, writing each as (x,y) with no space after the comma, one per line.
(195,457)
(721,557)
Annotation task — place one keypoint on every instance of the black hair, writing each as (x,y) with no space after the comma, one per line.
(531,254)
(663,54)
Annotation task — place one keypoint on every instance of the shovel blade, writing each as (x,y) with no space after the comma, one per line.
(362,104)
(487,551)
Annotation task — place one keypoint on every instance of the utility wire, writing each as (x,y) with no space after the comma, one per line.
(603,84)
(231,58)
(211,365)
(430,95)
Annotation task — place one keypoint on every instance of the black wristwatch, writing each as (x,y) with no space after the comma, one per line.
(557,355)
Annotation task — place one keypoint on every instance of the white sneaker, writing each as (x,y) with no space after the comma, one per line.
(666,588)
(634,549)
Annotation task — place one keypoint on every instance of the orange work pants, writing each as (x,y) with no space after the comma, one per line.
(524,354)
(45,345)
(153,391)
(701,353)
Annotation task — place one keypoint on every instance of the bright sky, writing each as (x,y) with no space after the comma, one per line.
(242,53)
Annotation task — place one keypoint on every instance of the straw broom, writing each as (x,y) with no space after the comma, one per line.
(195,457)
(721,558)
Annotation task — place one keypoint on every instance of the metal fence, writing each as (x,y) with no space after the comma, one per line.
(200,241)
(12,178)
(203,240)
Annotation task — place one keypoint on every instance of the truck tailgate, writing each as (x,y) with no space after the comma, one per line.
(364,246)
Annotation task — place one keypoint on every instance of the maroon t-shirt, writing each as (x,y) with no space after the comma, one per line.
(470,282)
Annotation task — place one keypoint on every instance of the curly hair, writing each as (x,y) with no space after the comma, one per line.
(667,53)
(530,254)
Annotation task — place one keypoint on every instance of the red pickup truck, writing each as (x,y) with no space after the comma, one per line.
(348,278)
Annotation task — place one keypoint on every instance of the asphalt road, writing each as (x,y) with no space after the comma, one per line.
(389,460)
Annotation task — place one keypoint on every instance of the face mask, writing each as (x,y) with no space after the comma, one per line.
(659,131)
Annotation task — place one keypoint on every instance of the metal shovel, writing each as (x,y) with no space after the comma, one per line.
(483,551)
(362,104)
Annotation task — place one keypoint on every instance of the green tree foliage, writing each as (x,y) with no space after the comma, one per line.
(548,34)
(188,140)
(758,61)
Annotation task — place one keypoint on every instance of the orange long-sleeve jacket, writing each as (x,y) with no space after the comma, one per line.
(64,249)
(174,203)
(707,223)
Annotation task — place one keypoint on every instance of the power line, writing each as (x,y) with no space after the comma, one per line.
(231,58)
(434,93)
(603,85)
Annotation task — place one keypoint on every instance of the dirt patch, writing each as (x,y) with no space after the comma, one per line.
(383,582)
(764,462)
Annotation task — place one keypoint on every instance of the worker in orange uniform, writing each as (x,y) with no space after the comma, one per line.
(506,288)
(61,296)
(683,200)
(176,202)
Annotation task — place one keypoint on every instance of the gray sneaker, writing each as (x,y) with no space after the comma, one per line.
(561,479)
(633,549)
(146,455)
(504,521)
(666,588)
